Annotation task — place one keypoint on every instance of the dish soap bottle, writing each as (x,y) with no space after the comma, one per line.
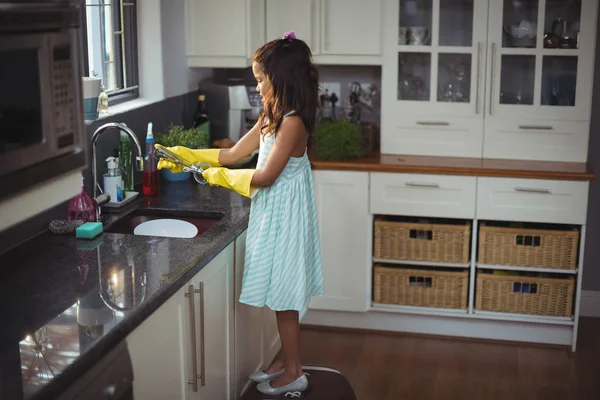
(81,207)
(112,181)
(150,179)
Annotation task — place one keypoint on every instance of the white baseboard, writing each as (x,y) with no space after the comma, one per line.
(590,304)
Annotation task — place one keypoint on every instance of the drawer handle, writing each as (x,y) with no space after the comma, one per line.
(423,184)
(532,190)
(536,127)
(433,123)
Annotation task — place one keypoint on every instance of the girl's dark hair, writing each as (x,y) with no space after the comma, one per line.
(287,64)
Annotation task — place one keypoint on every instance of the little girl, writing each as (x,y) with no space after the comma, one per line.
(283,255)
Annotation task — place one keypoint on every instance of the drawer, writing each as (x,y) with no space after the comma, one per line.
(426,135)
(424,195)
(532,200)
(542,140)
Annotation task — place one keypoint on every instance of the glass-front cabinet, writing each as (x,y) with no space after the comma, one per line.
(434,53)
(540,52)
(439,54)
(491,78)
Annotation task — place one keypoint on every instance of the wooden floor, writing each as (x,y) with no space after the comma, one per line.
(393,367)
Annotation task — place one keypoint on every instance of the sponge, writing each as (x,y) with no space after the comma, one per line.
(89,230)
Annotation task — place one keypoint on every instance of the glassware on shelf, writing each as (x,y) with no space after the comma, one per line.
(414,71)
(559,81)
(415,22)
(517,79)
(519,23)
(454,79)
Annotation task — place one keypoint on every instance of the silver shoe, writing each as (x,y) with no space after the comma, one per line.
(262,376)
(299,385)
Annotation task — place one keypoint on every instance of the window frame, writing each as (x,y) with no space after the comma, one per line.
(130,50)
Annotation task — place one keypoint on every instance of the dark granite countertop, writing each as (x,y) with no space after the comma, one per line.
(54,322)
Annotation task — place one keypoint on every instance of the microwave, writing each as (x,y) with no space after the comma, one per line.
(41,107)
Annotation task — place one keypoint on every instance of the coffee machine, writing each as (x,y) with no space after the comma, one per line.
(233,107)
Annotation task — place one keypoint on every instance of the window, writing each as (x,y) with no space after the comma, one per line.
(110,42)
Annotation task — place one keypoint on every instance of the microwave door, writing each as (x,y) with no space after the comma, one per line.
(26,117)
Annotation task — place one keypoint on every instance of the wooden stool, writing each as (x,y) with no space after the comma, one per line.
(323,384)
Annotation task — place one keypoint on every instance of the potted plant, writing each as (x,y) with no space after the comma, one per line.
(178,135)
(338,140)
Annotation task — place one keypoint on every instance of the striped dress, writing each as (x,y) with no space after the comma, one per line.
(283,253)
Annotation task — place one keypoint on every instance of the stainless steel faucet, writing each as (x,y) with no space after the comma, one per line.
(139,158)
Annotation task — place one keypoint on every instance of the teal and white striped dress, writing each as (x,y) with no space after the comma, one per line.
(283,253)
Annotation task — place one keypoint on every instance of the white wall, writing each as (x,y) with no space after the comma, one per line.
(163,61)
(46,195)
(178,78)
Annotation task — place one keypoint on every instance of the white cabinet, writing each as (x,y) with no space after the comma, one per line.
(541,86)
(345,226)
(433,77)
(215,349)
(160,352)
(532,200)
(223,33)
(498,79)
(420,195)
(337,31)
(302,17)
(199,316)
(248,327)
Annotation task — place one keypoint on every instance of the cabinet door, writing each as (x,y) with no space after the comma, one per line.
(297,16)
(540,66)
(163,340)
(248,327)
(345,226)
(215,326)
(223,33)
(541,58)
(350,27)
(434,53)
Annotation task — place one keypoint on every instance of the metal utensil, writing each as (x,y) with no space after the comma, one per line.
(195,169)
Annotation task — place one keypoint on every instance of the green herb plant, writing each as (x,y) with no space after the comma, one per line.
(178,135)
(338,140)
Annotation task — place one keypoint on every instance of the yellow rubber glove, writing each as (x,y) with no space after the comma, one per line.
(237,180)
(192,156)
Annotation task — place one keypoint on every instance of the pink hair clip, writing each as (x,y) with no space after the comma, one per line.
(289,35)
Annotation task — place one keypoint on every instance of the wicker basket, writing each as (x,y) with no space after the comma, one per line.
(541,248)
(525,295)
(418,287)
(422,241)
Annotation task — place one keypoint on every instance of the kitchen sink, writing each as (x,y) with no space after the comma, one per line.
(200,219)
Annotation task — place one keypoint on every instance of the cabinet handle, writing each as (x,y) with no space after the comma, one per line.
(532,190)
(479,46)
(423,184)
(433,123)
(537,127)
(492,79)
(202,347)
(190,296)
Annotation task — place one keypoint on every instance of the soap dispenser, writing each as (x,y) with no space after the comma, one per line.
(113,181)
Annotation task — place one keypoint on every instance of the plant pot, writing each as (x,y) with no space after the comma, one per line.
(171,177)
